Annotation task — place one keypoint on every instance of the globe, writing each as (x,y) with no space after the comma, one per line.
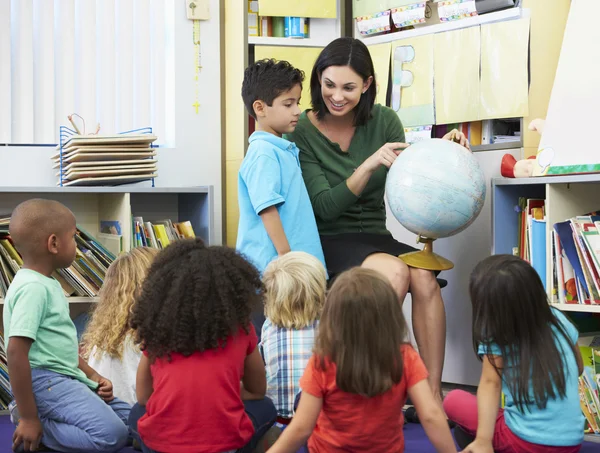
(435,189)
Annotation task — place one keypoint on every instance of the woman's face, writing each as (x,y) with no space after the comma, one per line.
(342,88)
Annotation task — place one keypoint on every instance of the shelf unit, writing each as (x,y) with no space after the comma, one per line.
(566,197)
(93,204)
(420,30)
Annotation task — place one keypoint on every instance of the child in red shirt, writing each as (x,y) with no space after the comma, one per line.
(356,383)
(201,381)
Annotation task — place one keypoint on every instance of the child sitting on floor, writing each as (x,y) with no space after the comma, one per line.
(60,400)
(356,383)
(107,340)
(201,381)
(528,352)
(295,287)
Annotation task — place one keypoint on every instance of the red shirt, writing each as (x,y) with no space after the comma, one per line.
(350,422)
(196,405)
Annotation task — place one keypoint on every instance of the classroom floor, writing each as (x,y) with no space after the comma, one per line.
(414,437)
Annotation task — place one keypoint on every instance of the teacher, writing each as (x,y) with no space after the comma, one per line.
(347,144)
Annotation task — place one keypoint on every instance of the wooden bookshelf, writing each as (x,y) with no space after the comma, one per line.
(566,197)
(93,204)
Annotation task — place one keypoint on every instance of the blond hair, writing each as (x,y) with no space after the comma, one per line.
(109,325)
(295,286)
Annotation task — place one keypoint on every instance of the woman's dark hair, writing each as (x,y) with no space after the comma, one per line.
(345,52)
(361,330)
(511,310)
(194,298)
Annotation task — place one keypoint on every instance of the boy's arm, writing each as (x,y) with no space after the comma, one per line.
(432,417)
(88,370)
(302,425)
(272,222)
(29,430)
(144,386)
(105,387)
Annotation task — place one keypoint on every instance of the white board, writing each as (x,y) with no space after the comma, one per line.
(568,143)
(465,249)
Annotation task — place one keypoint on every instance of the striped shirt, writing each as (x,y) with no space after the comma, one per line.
(286,353)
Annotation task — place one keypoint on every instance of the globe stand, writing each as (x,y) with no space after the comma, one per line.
(426,259)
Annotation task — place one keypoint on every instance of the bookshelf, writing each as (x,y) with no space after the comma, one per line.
(93,204)
(566,196)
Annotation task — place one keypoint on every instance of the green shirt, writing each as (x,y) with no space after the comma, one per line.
(325,168)
(35,307)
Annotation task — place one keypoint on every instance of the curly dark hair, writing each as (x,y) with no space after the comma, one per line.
(194,298)
(266,79)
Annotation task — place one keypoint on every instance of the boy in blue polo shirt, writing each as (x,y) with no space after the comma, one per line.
(276,215)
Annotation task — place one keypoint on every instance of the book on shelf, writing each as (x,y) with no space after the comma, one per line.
(589,382)
(160,233)
(83,278)
(6,395)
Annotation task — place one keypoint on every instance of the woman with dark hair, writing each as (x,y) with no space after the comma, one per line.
(347,144)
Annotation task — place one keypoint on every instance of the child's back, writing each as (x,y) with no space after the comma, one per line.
(295,286)
(276,214)
(108,338)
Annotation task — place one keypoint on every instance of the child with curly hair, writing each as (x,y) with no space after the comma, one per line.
(295,286)
(108,341)
(201,381)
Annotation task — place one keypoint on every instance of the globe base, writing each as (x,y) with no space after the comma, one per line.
(426,259)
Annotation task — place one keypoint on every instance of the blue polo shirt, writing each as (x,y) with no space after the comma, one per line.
(270,175)
(535,425)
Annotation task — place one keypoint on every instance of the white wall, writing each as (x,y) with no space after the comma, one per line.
(465,249)
(196,159)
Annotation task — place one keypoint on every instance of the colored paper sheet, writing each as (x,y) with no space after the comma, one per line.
(299,57)
(568,141)
(412,80)
(305,8)
(456,75)
(504,84)
(380,53)
(361,8)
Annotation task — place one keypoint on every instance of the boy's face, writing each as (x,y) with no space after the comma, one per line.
(282,117)
(65,246)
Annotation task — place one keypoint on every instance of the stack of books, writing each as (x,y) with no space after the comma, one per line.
(83,278)
(105,160)
(589,382)
(159,234)
(6,395)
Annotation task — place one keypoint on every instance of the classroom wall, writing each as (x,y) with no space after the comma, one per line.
(196,159)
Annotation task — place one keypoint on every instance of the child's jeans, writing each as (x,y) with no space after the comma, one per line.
(74,418)
(461,408)
(261,412)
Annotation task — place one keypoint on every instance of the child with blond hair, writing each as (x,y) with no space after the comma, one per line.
(295,287)
(107,340)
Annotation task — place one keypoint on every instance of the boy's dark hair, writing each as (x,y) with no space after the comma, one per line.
(511,310)
(361,331)
(266,79)
(194,298)
(345,52)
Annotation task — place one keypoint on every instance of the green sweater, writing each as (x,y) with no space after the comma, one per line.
(325,168)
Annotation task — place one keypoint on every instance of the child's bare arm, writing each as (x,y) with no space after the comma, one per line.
(301,427)
(432,417)
(144,385)
(272,222)
(29,431)
(254,382)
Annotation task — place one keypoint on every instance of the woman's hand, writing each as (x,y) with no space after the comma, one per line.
(386,155)
(456,136)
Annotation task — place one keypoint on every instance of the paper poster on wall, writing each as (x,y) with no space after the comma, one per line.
(412,80)
(568,142)
(456,75)
(504,71)
(325,9)
(299,57)
(370,7)
(380,53)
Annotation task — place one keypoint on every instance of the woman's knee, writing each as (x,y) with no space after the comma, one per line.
(396,271)
(423,283)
